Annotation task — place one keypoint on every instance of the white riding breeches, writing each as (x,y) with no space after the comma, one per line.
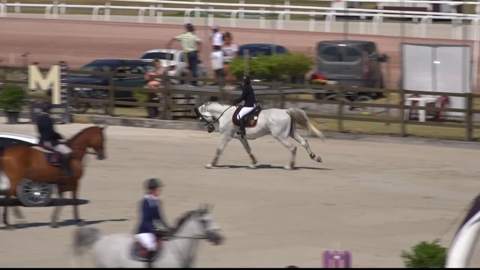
(147,240)
(61,148)
(244,111)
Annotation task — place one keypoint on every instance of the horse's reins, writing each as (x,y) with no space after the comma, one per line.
(215,120)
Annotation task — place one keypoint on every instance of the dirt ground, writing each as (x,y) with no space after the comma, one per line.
(79,42)
(373,199)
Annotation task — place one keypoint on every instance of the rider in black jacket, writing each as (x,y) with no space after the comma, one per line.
(50,138)
(250,102)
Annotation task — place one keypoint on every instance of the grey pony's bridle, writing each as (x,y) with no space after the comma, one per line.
(188,261)
(210,124)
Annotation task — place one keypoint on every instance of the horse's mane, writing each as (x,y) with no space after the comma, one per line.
(218,102)
(181,220)
(74,137)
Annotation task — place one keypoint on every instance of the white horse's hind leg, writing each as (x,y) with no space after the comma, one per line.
(291,148)
(294,134)
(224,139)
(249,152)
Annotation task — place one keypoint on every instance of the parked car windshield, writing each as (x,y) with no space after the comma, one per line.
(159,55)
(255,51)
(97,67)
(93,67)
(340,54)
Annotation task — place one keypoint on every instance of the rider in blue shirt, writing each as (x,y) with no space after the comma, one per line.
(151,211)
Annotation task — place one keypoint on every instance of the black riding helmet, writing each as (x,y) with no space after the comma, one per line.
(153,183)
(246,80)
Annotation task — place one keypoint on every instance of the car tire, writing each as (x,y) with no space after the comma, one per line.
(33,194)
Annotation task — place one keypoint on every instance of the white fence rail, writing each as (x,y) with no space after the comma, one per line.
(283,12)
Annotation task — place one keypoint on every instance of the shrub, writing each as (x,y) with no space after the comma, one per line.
(12,97)
(425,255)
(273,67)
(140,96)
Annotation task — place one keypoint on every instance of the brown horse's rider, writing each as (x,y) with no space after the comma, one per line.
(50,138)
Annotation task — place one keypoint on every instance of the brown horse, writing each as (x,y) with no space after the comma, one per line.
(35,163)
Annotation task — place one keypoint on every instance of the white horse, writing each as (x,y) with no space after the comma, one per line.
(117,250)
(280,123)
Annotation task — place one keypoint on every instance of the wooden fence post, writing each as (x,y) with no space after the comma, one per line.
(340,96)
(4,75)
(221,83)
(246,62)
(111,95)
(469,117)
(403,128)
(167,104)
(281,96)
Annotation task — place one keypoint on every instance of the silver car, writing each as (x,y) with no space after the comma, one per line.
(174,62)
(29,193)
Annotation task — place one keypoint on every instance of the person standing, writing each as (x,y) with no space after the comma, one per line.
(217,63)
(217,37)
(230,51)
(192,45)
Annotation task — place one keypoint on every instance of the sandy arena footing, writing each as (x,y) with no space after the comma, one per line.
(374,199)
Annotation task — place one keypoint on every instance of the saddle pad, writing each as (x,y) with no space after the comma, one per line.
(41,149)
(135,253)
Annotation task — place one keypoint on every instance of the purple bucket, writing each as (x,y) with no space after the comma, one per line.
(337,259)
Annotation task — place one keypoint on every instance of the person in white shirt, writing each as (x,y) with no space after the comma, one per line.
(230,51)
(217,36)
(217,63)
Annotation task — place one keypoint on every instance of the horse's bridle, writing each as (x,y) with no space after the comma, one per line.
(186,260)
(209,124)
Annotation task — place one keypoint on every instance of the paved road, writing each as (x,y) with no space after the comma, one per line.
(374,199)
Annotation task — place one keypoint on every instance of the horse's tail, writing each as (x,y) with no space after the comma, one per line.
(300,117)
(83,239)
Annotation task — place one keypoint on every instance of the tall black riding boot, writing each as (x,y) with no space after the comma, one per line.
(66,169)
(242,128)
(150,255)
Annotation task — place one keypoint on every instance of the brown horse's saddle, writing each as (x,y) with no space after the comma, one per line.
(140,253)
(53,157)
(250,119)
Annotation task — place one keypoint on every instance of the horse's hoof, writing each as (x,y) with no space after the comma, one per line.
(209,166)
(288,168)
(54,225)
(80,222)
(252,166)
(319,159)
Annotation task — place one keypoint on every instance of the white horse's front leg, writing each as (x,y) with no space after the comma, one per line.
(292,149)
(246,145)
(224,139)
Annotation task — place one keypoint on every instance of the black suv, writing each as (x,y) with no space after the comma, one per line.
(352,63)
